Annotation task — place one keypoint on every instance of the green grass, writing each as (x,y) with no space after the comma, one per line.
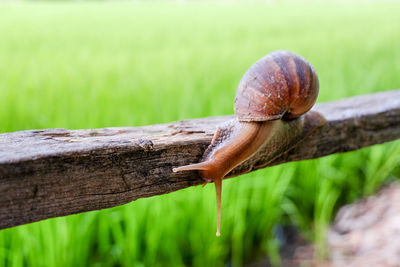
(99,64)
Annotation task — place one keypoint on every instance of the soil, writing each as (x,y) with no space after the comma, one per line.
(365,233)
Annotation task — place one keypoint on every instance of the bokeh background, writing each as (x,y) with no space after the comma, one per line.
(102,64)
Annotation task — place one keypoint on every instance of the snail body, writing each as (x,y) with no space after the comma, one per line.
(280,86)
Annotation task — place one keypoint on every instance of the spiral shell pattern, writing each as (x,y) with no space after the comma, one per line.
(281,85)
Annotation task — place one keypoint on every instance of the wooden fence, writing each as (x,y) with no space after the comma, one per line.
(57,172)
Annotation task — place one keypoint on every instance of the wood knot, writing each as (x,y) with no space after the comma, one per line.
(147,145)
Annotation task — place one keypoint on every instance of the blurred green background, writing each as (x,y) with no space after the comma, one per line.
(100,64)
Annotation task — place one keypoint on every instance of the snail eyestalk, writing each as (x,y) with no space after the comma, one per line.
(192,167)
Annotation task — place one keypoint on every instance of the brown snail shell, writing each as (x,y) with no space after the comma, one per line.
(280,85)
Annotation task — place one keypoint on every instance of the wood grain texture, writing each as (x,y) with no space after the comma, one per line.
(57,172)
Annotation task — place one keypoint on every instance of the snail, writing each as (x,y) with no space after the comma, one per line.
(277,89)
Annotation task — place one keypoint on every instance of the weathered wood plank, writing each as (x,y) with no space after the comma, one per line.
(56,172)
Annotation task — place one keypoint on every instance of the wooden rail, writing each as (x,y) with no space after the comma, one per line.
(57,172)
